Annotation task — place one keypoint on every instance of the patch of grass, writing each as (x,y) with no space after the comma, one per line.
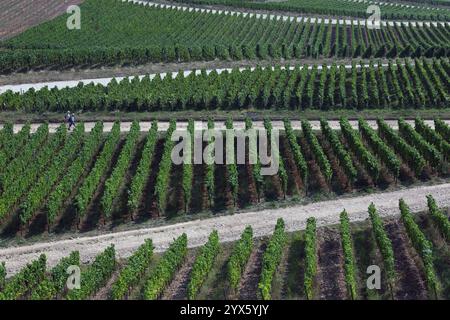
(293,285)
(216,285)
(365,249)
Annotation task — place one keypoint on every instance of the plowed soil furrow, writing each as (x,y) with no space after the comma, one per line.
(177,289)
(248,287)
(410,283)
(330,266)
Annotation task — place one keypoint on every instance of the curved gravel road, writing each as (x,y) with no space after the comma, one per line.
(230,227)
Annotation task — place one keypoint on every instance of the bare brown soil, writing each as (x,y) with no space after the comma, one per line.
(330,265)
(17,16)
(248,287)
(410,284)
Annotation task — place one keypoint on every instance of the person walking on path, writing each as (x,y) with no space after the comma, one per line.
(71,121)
(67,117)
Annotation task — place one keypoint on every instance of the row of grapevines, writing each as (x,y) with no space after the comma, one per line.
(11,144)
(349,260)
(408,153)
(421,244)
(442,128)
(310,257)
(55,283)
(275,153)
(384,244)
(65,187)
(369,162)
(316,148)
(165,166)
(296,151)
(253,154)
(276,88)
(203,264)
(2,275)
(20,164)
(144,168)
(239,257)
(188,168)
(414,138)
(439,218)
(6,133)
(96,275)
(42,188)
(166,268)
(132,273)
(209,174)
(26,280)
(342,155)
(17,188)
(433,137)
(233,176)
(386,154)
(90,184)
(271,259)
(116,180)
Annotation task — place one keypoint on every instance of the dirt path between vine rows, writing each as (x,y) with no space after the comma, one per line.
(230,227)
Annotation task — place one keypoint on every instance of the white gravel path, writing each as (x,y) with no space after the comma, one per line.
(220,125)
(230,227)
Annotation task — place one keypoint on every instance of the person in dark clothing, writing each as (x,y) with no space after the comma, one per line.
(71,121)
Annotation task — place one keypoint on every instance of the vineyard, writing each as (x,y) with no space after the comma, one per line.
(349,8)
(401,84)
(294,265)
(224,150)
(182,36)
(81,181)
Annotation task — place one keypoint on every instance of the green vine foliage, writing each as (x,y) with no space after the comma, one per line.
(271,259)
(439,218)
(349,260)
(203,264)
(166,268)
(96,275)
(239,257)
(133,271)
(310,257)
(422,245)
(136,191)
(165,167)
(384,244)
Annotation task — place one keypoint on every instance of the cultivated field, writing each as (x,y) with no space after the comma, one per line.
(359,115)
(177,35)
(82,181)
(18,15)
(317,263)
